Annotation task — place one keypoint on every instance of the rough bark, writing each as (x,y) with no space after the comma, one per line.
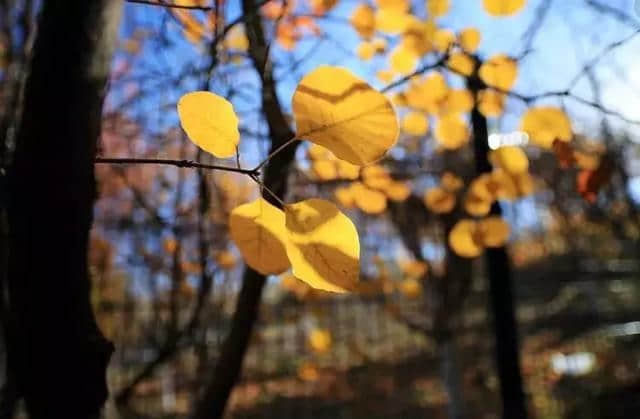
(229,364)
(57,354)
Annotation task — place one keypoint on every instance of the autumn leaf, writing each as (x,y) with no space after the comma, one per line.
(322,245)
(258,229)
(499,71)
(545,124)
(339,111)
(589,182)
(210,122)
(503,7)
(320,340)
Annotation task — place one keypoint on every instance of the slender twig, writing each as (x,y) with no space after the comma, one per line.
(170,5)
(274,152)
(177,163)
(269,191)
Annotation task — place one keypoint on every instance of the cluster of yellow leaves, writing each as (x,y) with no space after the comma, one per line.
(468,238)
(509,180)
(292,27)
(442,198)
(196,28)
(371,192)
(325,166)
(333,109)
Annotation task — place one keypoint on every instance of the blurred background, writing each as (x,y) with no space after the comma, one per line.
(418,338)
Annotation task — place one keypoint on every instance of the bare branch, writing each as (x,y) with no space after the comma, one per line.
(177,163)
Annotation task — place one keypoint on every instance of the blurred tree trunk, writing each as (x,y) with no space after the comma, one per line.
(57,354)
(229,364)
(498,272)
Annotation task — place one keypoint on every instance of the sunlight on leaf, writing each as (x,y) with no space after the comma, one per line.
(339,111)
(258,230)
(322,245)
(545,124)
(503,7)
(415,123)
(210,122)
(499,71)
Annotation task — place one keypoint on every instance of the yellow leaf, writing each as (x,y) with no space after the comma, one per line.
(225,260)
(403,60)
(369,201)
(308,372)
(463,239)
(344,195)
(499,71)
(490,103)
(337,110)
(545,124)
(503,7)
(452,132)
(415,123)
(380,45)
(469,39)
(461,63)
(425,92)
(437,8)
(439,201)
(363,21)
(451,182)
(258,229)
(325,170)
(375,176)
(385,76)
(476,205)
(413,268)
(237,39)
(397,191)
(320,340)
(366,51)
(493,231)
(459,101)
(394,5)
(443,39)
(512,159)
(392,22)
(411,288)
(347,170)
(210,122)
(322,245)
(417,37)
(317,152)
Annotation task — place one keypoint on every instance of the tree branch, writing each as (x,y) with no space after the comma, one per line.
(178,163)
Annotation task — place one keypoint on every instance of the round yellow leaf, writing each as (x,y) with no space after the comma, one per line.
(499,71)
(392,22)
(443,39)
(403,60)
(452,132)
(363,21)
(339,111)
(439,201)
(459,101)
(491,103)
(370,201)
(397,191)
(347,170)
(463,239)
(258,230)
(344,195)
(210,122)
(411,288)
(511,159)
(469,39)
(503,7)
(451,182)
(375,176)
(325,170)
(415,123)
(493,231)
(545,124)
(320,340)
(394,5)
(476,205)
(322,245)
(437,8)
(366,51)
(461,63)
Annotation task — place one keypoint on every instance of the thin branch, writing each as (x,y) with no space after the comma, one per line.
(275,152)
(170,5)
(177,163)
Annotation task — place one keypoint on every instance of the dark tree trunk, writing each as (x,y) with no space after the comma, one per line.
(57,354)
(500,286)
(229,364)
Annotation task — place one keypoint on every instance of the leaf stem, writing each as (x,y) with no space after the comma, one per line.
(264,187)
(274,152)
